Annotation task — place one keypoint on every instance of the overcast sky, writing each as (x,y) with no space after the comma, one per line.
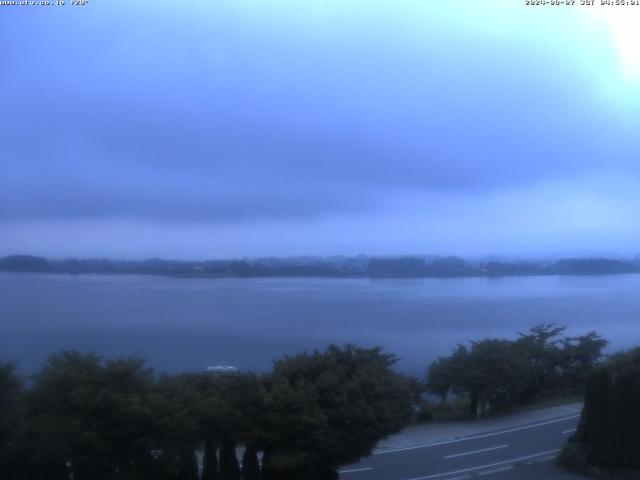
(210,129)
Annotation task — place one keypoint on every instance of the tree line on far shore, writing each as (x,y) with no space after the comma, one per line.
(91,418)
(339,267)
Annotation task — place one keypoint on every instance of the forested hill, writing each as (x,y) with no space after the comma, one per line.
(346,267)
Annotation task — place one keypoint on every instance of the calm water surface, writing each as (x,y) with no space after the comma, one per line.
(187,324)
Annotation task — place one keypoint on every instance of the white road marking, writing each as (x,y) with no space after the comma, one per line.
(570,430)
(466,439)
(496,470)
(545,459)
(353,470)
(482,467)
(476,451)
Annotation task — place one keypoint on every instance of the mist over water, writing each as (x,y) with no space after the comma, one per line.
(188,324)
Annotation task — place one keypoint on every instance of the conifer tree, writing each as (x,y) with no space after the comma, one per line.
(250,464)
(609,430)
(188,465)
(229,467)
(210,461)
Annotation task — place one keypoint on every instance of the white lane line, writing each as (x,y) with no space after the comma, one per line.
(495,470)
(476,451)
(354,470)
(466,439)
(482,467)
(545,459)
(570,430)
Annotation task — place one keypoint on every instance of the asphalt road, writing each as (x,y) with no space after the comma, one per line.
(519,452)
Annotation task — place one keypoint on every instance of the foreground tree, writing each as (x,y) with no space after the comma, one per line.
(609,429)
(540,349)
(10,419)
(175,434)
(227,409)
(441,377)
(229,466)
(210,460)
(187,465)
(330,408)
(88,418)
(580,355)
(250,464)
(497,373)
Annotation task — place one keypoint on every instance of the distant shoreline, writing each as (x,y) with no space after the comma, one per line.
(401,267)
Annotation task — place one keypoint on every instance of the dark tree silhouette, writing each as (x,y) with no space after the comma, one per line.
(188,465)
(498,373)
(330,408)
(609,429)
(210,460)
(229,466)
(250,464)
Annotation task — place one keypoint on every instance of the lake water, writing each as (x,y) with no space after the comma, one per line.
(188,324)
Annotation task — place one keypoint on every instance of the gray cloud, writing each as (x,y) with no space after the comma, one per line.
(224,117)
